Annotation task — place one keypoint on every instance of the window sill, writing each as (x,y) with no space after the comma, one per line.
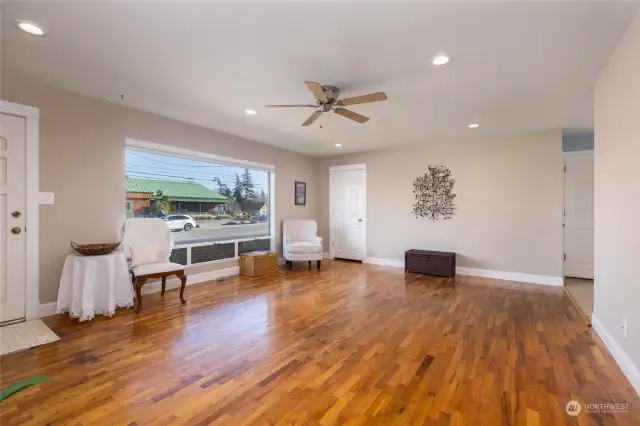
(195,242)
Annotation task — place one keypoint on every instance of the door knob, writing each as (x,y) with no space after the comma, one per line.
(359,220)
(16,230)
(16,214)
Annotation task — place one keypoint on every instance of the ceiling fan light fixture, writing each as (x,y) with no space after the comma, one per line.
(30,28)
(440,60)
(327,100)
(250,111)
(473,125)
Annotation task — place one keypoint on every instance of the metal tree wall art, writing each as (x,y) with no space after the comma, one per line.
(433,193)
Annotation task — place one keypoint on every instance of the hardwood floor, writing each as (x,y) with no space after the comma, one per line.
(582,293)
(349,344)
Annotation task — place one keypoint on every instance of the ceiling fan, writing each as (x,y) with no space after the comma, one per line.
(327,100)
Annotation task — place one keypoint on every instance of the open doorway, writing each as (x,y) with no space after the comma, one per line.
(578,229)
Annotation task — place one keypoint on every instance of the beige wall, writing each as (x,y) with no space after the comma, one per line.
(82,162)
(617,194)
(509,197)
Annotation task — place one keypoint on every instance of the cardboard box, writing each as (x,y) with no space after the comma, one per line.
(258,263)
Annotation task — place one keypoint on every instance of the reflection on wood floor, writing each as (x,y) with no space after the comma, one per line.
(349,344)
(582,293)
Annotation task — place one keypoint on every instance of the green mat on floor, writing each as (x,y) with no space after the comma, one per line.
(18,386)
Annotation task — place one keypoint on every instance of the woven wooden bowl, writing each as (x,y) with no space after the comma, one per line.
(94,249)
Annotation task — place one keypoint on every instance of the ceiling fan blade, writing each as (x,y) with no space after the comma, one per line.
(290,106)
(364,99)
(351,115)
(309,121)
(317,91)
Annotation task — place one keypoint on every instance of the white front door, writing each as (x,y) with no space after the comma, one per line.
(12,218)
(578,221)
(348,211)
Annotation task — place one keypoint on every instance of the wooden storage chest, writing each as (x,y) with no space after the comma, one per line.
(258,263)
(441,263)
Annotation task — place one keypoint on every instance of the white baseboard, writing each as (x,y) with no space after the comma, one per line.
(48,309)
(624,361)
(384,262)
(326,255)
(485,273)
(511,276)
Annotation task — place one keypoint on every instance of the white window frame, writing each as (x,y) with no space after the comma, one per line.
(190,154)
(127,205)
(235,242)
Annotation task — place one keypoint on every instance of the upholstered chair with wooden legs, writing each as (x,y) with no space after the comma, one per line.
(147,244)
(300,242)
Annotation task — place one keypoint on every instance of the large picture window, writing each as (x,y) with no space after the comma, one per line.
(200,200)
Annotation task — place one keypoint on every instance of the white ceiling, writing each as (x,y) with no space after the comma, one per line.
(515,66)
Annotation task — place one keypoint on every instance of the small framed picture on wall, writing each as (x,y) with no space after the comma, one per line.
(301,194)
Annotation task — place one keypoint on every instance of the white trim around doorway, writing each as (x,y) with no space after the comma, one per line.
(32,117)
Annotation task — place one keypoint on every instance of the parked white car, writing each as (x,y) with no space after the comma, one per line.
(178,222)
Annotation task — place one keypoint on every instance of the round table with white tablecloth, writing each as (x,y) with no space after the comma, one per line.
(94,285)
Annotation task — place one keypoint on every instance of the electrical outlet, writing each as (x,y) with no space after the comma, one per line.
(624,327)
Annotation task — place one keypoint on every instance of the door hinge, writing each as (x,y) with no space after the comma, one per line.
(565,256)
(565,169)
(564,212)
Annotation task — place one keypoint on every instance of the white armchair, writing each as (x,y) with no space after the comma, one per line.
(147,245)
(300,241)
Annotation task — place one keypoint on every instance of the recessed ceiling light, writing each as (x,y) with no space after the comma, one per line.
(30,27)
(440,60)
(250,111)
(338,145)
(473,125)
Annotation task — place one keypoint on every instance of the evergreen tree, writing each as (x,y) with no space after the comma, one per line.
(248,193)
(223,189)
(238,193)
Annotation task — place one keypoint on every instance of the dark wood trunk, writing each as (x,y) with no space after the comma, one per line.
(439,263)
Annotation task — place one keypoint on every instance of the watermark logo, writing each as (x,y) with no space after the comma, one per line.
(607,408)
(573,408)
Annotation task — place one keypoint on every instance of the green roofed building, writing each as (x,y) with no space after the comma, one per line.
(186,197)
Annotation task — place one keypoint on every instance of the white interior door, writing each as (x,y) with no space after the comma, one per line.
(578,219)
(12,218)
(348,211)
